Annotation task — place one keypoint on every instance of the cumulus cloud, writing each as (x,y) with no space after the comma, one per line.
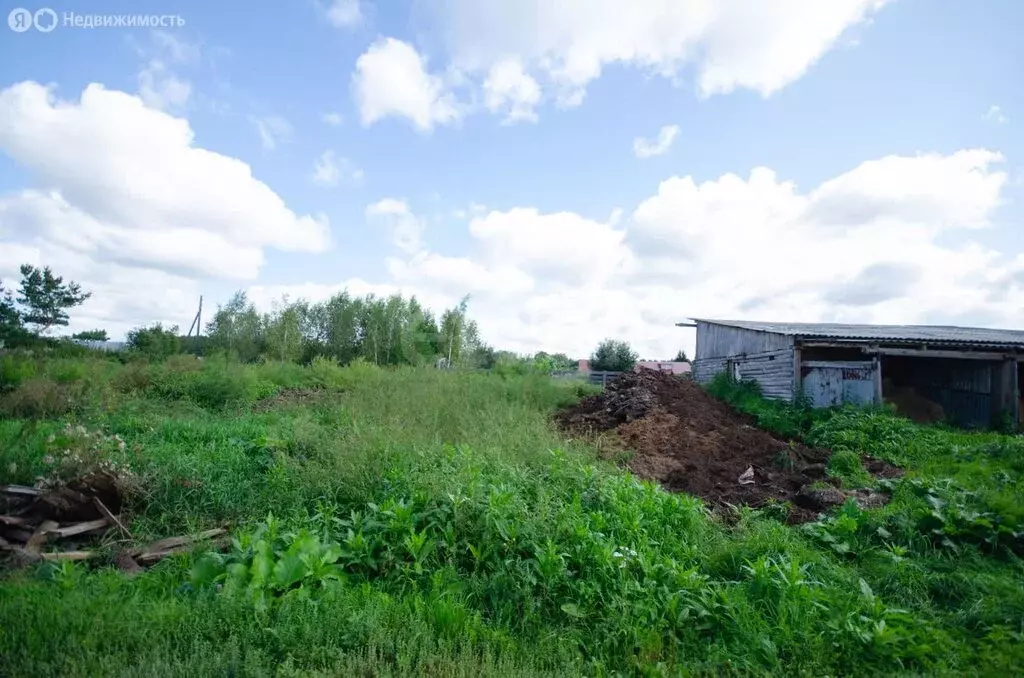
(406,228)
(868,245)
(646,148)
(728,44)
(126,197)
(509,88)
(161,88)
(392,79)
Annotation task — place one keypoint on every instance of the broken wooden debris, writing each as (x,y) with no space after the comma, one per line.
(81,528)
(176,542)
(69,555)
(38,538)
(111,517)
(21,490)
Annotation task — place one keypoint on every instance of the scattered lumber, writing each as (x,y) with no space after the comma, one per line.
(33,518)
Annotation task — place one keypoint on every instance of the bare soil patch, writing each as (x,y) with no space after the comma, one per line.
(691,442)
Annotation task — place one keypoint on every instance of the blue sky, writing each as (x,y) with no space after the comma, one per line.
(911,108)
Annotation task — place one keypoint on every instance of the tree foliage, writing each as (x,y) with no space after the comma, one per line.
(612,355)
(10,317)
(155,342)
(681,357)
(91,335)
(46,298)
(382,330)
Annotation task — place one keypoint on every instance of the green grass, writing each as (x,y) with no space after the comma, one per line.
(422,522)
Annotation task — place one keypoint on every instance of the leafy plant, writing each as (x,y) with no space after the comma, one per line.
(46,298)
(91,335)
(155,342)
(613,356)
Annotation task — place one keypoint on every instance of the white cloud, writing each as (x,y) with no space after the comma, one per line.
(128,205)
(330,170)
(273,130)
(159,85)
(508,87)
(867,245)
(406,227)
(162,89)
(995,114)
(730,44)
(344,13)
(563,246)
(391,79)
(332,118)
(646,148)
(177,50)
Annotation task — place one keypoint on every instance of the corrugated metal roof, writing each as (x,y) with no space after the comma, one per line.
(937,334)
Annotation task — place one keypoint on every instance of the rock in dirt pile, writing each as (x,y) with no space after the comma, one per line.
(691,442)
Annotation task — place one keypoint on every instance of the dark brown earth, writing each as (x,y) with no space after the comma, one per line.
(691,442)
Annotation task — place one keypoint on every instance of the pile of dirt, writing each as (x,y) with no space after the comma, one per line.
(691,442)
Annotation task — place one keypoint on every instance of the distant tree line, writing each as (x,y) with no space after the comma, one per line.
(389,330)
(383,330)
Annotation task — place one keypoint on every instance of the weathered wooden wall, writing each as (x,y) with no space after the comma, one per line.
(759,356)
(719,341)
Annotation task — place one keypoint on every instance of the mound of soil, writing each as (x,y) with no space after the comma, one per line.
(691,442)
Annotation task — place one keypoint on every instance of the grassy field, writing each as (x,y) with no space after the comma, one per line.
(420,522)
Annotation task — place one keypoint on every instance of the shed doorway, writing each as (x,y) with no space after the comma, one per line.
(832,383)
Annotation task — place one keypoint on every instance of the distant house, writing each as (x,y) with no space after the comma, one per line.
(967,376)
(670,366)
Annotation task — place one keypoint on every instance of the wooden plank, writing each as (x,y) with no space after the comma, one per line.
(939,353)
(12,520)
(798,380)
(38,538)
(840,364)
(174,542)
(20,490)
(69,555)
(878,380)
(81,528)
(111,517)
(18,534)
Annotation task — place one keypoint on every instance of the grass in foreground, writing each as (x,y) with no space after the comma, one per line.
(416,522)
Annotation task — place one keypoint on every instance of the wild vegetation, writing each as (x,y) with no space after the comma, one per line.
(612,355)
(388,518)
(413,521)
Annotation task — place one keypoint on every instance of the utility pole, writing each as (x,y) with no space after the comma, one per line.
(197,323)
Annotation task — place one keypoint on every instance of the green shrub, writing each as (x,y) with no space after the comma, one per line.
(67,372)
(784,419)
(846,465)
(217,387)
(155,343)
(14,370)
(38,398)
(183,363)
(135,377)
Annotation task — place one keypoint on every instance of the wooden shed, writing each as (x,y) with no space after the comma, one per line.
(967,376)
